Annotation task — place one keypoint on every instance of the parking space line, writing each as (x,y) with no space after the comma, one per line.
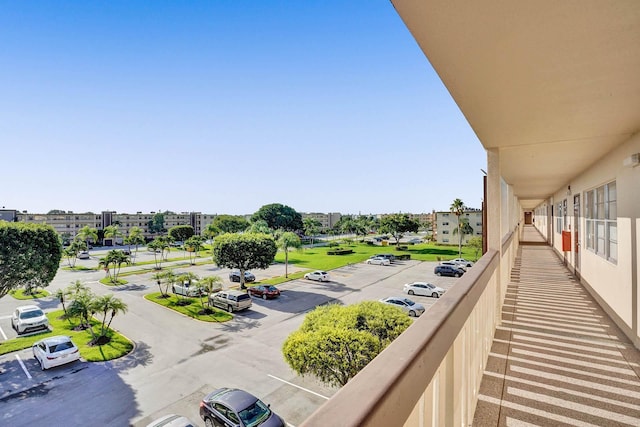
(5,317)
(24,368)
(4,336)
(297,386)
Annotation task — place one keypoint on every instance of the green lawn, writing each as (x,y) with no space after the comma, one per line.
(191,310)
(19,294)
(118,347)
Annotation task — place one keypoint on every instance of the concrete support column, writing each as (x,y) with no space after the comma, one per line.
(493,202)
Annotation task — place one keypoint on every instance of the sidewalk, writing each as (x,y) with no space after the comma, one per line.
(557,359)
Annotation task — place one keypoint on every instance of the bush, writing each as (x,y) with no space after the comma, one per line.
(333,243)
(401,248)
(339,251)
(403,256)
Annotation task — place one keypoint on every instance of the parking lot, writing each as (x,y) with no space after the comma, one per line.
(177,360)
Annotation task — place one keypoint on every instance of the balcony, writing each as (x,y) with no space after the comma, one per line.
(529,348)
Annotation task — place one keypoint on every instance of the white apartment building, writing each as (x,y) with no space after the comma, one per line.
(446,223)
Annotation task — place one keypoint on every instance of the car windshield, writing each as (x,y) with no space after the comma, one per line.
(61,346)
(271,288)
(408,301)
(242,297)
(31,314)
(255,414)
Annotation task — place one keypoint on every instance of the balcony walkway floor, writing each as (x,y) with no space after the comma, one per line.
(557,359)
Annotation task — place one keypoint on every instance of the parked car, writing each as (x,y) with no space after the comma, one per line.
(454,264)
(83,255)
(377,260)
(28,318)
(424,289)
(264,291)
(55,351)
(390,257)
(189,289)
(413,309)
(448,270)
(234,407)
(172,420)
(319,275)
(463,262)
(231,300)
(126,251)
(234,276)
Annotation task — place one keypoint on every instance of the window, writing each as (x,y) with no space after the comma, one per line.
(445,223)
(559,218)
(601,218)
(445,231)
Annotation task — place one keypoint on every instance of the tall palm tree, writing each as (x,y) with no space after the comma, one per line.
(193,245)
(112,232)
(106,304)
(156,245)
(113,261)
(136,238)
(86,233)
(209,283)
(166,278)
(458,208)
(82,307)
(311,227)
(288,240)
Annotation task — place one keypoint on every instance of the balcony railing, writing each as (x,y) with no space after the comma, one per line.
(430,375)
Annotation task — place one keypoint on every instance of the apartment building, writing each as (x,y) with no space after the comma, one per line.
(326,220)
(445,228)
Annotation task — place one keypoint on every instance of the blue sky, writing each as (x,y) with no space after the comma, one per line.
(224,106)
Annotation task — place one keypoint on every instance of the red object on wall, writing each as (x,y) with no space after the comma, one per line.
(566,241)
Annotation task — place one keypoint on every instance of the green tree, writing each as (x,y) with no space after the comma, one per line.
(279,217)
(458,208)
(180,233)
(475,243)
(311,227)
(83,308)
(230,224)
(29,255)
(210,284)
(244,252)
(464,230)
(335,342)
(112,263)
(156,224)
(113,232)
(71,252)
(398,224)
(166,279)
(157,246)
(135,238)
(107,304)
(87,234)
(260,226)
(193,245)
(287,241)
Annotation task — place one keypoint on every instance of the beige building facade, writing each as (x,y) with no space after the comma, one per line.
(446,225)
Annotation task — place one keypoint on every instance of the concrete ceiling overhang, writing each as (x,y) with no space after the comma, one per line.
(552,85)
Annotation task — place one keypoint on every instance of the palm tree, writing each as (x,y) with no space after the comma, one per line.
(188,278)
(209,284)
(112,232)
(106,304)
(157,245)
(60,294)
(465,228)
(286,241)
(311,227)
(82,307)
(87,233)
(166,278)
(193,244)
(76,288)
(458,208)
(136,238)
(114,260)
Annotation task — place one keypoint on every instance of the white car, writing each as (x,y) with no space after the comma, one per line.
(413,309)
(192,289)
(319,275)
(83,255)
(463,262)
(28,318)
(55,351)
(378,261)
(424,289)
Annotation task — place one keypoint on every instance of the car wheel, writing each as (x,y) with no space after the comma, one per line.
(411,292)
(412,313)
(264,296)
(457,275)
(230,309)
(41,364)
(438,274)
(435,295)
(208,422)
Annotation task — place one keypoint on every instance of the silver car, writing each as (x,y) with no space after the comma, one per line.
(376,260)
(413,309)
(424,289)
